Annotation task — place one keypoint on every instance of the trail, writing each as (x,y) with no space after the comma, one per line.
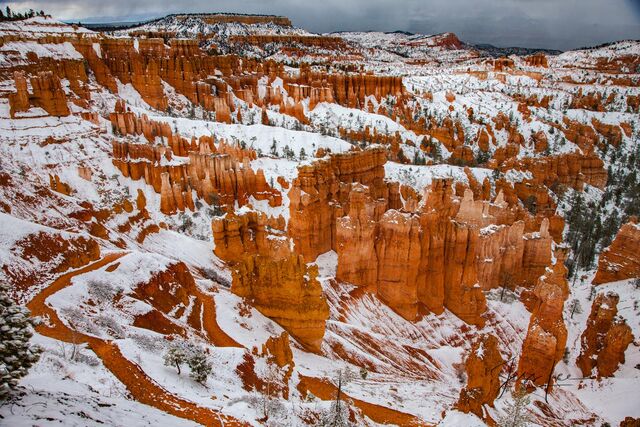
(216,335)
(324,390)
(141,387)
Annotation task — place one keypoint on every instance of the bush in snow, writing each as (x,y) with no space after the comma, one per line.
(100,291)
(16,354)
(338,413)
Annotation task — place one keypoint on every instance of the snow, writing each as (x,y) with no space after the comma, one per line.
(420,177)
(77,393)
(460,419)
(43,50)
(414,366)
(259,137)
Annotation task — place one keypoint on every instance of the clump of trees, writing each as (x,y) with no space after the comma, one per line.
(17,355)
(592,226)
(10,15)
(181,353)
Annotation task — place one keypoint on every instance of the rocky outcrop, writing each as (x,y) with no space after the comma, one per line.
(219,173)
(483,366)
(275,280)
(572,169)
(537,60)
(546,336)
(320,193)
(130,67)
(19,101)
(605,338)
(172,292)
(215,18)
(48,253)
(621,260)
(349,90)
(47,94)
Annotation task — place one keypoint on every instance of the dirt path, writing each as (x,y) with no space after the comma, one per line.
(141,387)
(216,335)
(324,390)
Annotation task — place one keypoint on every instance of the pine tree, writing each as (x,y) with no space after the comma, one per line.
(338,415)
(16,354)
(175,356)
(200,366)
(516,411)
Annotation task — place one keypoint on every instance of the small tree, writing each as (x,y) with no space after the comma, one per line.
(575,307)
(176,356)
(338,415)
(516,411)
(200,366)
(16,354)
(183,352)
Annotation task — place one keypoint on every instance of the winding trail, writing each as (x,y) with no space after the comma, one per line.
(142,388)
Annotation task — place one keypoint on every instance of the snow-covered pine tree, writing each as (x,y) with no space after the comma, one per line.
(200,366)
(516,411)
(17,355)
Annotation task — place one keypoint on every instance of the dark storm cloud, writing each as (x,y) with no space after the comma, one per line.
(561,24)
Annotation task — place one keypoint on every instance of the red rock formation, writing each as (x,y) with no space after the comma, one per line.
(572,169)
(547,334)
(537,60)
(355,234)
(219,174)
(611,133)
(52,253)
(316,196)
(215,18)
(483,366)
(100,71)
(124,62)
(276,281)
(48,94)
(19,101)
(605,338)
(630,422)
(621,260)
(59,186)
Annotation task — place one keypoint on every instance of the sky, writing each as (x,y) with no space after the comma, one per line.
(551,24)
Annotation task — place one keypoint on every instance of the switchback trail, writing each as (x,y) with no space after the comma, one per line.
(141,387)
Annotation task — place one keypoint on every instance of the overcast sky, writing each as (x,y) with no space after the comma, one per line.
(557,24)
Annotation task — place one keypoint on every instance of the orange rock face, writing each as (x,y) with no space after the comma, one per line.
(19,101)
(276,281)
(219,174)
(547,334)
(321,189)
(52,250)
(483,366)
(48,94)
(605,339)
(621,260)
(130,66)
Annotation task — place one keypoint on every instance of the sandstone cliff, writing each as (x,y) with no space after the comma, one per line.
(483,366)
(276,281)
(621,260)
(605,338)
